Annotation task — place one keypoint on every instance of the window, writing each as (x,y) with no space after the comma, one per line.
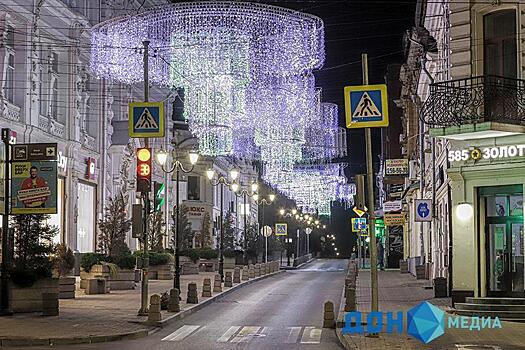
(499,39)
(54,99)
(54,62)
(41,94)
(10,78)
(10,40)
(194,188)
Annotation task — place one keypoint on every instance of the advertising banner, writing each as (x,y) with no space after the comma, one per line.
(394,219)
(34,187)
(396,167)
(392,206)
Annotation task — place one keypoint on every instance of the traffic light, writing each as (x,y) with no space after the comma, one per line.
(159,191)
(144,169)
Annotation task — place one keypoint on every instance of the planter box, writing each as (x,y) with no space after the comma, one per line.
(189,268)
(229,263)
(440,287)
(30,299)
(124,280)
(208,265)
(161,272)
(403,266)
(66,287)
(421,272)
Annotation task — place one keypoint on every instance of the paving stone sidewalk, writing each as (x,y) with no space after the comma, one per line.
(402,291)
(103,315)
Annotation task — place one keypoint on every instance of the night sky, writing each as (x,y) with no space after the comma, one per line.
(352,28)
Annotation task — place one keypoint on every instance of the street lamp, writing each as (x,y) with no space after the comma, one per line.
(210,174)
(281,212)
(244,193)
(177,166)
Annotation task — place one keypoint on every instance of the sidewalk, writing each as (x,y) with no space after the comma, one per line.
(97,318)
(399,292)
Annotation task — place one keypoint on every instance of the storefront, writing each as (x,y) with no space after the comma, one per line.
(86,217)
(487,182)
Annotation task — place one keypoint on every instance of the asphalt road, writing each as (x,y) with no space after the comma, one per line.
(279,312)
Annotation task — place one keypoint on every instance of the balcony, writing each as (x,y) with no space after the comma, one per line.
(474,108)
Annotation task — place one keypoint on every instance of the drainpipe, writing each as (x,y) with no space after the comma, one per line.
(421,129)
(433,149)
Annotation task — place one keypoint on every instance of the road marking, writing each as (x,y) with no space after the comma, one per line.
(246,334)
(229,333)
(311,335)
(293,335)
(181,333)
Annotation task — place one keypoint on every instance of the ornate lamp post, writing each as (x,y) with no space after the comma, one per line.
(263,202)
(162,158)
(210,174)
(245,193)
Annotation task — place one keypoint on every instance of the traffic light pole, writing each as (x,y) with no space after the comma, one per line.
(5,309)
(145,263)
(371,200)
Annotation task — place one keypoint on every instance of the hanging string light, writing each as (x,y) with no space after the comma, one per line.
(321,134)
(227,55)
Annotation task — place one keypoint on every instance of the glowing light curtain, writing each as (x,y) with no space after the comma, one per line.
(220,52)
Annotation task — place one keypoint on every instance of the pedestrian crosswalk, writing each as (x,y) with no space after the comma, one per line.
(245,334)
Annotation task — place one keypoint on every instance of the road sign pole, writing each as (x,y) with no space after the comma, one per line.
(145,264)
(371,199)
(265,248)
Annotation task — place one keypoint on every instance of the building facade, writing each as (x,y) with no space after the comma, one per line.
(468,95)
(49,95)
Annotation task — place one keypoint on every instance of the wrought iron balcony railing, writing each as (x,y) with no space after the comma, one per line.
(475,100)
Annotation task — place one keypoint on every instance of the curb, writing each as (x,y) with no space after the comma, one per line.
(8,342)
(339,324)
(180,315)
(298,266)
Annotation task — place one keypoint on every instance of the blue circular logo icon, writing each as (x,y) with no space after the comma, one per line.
(423,210)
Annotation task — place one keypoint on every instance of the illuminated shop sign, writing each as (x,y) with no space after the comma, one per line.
(496,152)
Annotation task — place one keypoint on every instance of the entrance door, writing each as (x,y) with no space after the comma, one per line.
(505,241)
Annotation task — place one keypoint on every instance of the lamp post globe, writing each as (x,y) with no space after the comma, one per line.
(194,157)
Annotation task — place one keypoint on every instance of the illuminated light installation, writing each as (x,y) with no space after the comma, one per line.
(221,52)
(321,135)
(213,70)
(314,187)
(284,109)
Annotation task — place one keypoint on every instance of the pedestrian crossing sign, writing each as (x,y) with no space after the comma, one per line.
(281,229)
(366,106)
(146,119)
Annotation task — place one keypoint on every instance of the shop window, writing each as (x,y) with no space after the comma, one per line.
(499,39)
(516,205)
(194,188)
(86,218)
(497,206)
(57,219)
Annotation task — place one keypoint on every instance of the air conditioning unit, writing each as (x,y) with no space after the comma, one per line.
(413,170)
